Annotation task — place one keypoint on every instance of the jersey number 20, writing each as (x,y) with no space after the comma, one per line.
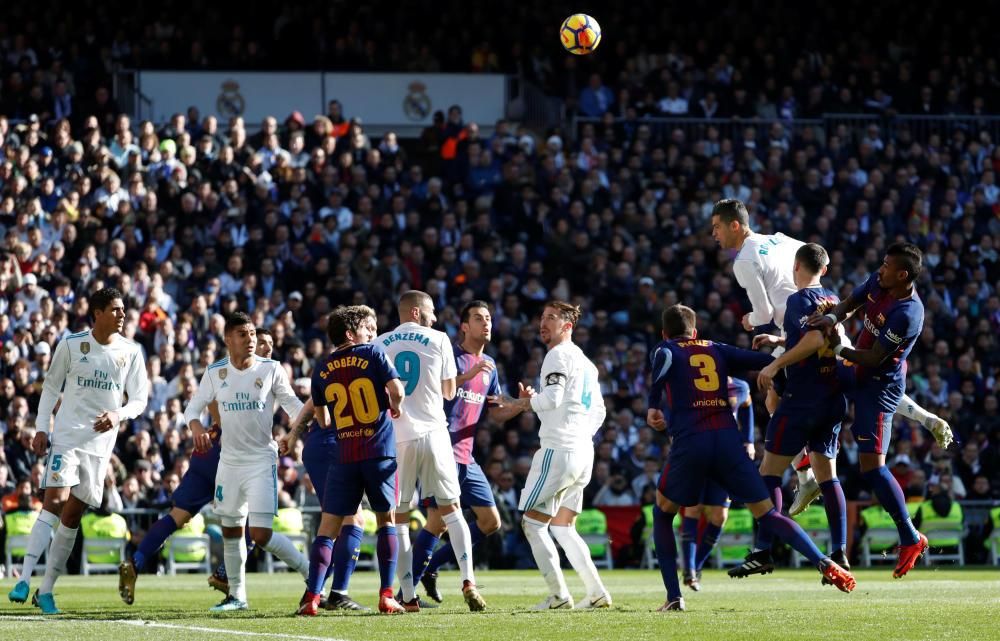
(364,402)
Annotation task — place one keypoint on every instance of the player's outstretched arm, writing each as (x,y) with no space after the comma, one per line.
(871,358)
(838,314)
(299,426)
(502,414)
(394,388)
(810,343)
(749,277)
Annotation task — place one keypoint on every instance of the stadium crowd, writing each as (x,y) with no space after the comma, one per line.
(194,218)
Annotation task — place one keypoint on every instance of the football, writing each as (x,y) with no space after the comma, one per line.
(580,34)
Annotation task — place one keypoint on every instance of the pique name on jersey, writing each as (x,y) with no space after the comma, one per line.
(406,336)
(101,380)
(471,397)
(341,363)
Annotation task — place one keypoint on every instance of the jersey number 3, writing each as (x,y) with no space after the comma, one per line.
(364,402)
(708,381)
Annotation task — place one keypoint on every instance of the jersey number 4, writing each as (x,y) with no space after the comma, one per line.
(708,381)
(363,400)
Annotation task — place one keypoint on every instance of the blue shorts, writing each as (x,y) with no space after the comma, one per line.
(197,488)
(875,402)
(316,459)
(801,422)
(715,494)
(476,490)
(346,483)
(718,456)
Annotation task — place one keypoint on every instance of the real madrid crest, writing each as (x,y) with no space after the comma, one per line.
(120,361)
(230,102)
(223,373)
(417,104)
(85,347)
(259,384)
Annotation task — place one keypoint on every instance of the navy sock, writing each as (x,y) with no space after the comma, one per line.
(320,557)
(387,550)
(346,550)
(423,551)
(836,512)
(787,530)
(890,495)
(153,541)
(773,484)
(708,540)
(666,551)
(689,542)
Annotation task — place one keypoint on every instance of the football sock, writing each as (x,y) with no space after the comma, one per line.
(234,551)
(444,554)
(282,547)
(461,540)
(221,570)
(908,408)
(689,542)
(346,550)
(423,552)
(38,542)
(153,541)
(320,557)
(778,525)
(578,554)
(890,495)
(404,569)
(59,551)
(836,512)
(666,551)
(773,484)
(387,550)
(708,540)
(543,549)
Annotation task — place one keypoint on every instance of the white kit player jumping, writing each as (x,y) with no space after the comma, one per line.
(246,387)
(571,410)
(764,267)
(105,383)
(425,361)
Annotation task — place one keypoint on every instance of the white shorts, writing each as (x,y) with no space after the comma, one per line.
(430,460)
(557,479)
(82,471)
(245,489)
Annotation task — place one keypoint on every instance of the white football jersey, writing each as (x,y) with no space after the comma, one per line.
(569,405)
(765,268)
(423,357)
(246,407)
(97,378)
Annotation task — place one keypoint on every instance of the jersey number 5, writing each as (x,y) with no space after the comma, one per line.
(708,381)
(364,402)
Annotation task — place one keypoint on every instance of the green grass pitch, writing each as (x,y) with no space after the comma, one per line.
(790,605)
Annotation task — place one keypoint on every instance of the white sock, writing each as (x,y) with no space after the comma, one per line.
(579,557)
(282,547)
(805,476)
(38,542)
(234,551)
(546,556)
(909,409)
(461,541)
(404,561)
(59,551)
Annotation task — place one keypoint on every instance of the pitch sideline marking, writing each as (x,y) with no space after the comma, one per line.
(171,626)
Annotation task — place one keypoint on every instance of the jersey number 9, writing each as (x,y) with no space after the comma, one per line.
(408,366)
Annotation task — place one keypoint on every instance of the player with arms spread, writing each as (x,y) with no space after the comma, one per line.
(706,444)
(102,378)
(425,361)
(355,390)
(476,381)
(246,387)
(893,317)
(571,410)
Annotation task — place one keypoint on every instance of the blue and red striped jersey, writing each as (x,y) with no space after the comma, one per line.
(465,411)
(690,383)
(895,323)
(351,384)
(814,377)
